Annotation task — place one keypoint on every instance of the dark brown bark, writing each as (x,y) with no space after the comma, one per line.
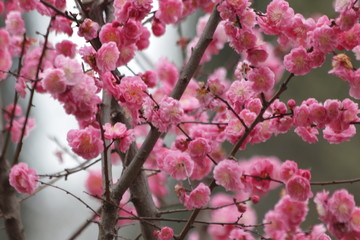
(9,205)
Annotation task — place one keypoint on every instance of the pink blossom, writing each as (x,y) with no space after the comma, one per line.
(71,68)
(15,23)
(167,71)
(62,25)
(28,5)
(114,132)
(4,38)
(356,51)
(149,77)
(93,182)
(228,174)
(157,27)
(9,110)
(86,142)
(17,127)
(297,61)
(324,39)
(239,234)
(341,205)
(257,54)
(166,233)
(158,184)
(355,219)
(127,52)
(287,170)
(131,31)
(54,80)
(261,169)
(131,91)
(198,148)
(217,84)
(126,141)
(107,56)
(333,136)
(201,168)
(275,225)
(347,19)
(240,91)
(88,29)
(263,79)
(22,178)
(178,165)
(298,188)
(278,16)
(88,54)
(294,212)
(350,38)
(5,63)
(144,41)
(66,48)
(307,134)
(198,197)
(110,33)
(167,113)
(321,200)
(124,10)
(342,5)
(169,11)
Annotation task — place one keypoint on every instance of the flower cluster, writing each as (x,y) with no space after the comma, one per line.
(86,142)
(23,178)
(339,213)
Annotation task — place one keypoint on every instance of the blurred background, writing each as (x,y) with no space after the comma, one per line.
(52,214)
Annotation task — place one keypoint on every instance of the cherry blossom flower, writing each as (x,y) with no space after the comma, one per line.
(228,174)
(88,29)
(297,61)
(177,164)
(93,182)
(22,178)
(341,205)
(54,80)
(299,188)
(107,57)
(14,23)
(198,197)
(114,132)
(166,233)
(86,142)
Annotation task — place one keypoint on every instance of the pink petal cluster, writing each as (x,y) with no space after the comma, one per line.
(165,233)
(197,198)
(116,131)
(169,11)
(93,183)
(22,178)
(86,142)
(228,214)
(166,113)
(339,212)
(88,29)
(177,164)
(228,174)
(14,23)
(198,148)
(54,80)
(17,128)
(131,92)
(263,79)
(285,218)
(107,57)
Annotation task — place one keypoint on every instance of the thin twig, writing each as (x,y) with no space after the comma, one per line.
(71,194)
